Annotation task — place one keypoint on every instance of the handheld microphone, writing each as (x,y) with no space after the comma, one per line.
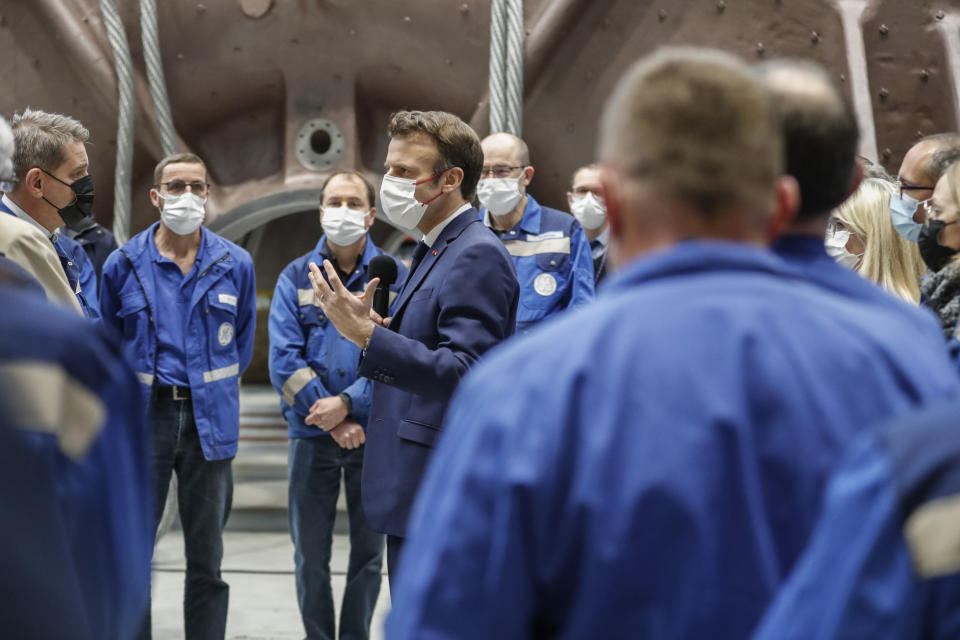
(385,268)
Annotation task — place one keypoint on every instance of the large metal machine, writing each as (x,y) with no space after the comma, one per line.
(276,94)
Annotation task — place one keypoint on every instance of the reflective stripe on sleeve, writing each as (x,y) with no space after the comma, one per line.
(221,373)
(306,297)
(43,397)
(523,249)
(296,383)
(145,378)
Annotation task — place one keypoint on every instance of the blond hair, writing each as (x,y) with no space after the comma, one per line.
(889,259)
(697,125)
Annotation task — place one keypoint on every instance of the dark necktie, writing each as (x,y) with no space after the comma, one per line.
(418,254)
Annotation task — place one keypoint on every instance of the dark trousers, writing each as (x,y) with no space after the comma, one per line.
(204,496)
(315,470)
(394,547)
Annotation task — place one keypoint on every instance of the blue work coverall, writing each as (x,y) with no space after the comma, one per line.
(652,466)
(309,360)
(75,474)
(219,329)
(553,261)
(883,562)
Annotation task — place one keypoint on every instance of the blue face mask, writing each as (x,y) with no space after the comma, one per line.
(901,212)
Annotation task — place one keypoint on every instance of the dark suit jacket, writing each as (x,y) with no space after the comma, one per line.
(459,302)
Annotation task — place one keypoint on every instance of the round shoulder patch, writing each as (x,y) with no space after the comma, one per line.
(545,284)
(225,334)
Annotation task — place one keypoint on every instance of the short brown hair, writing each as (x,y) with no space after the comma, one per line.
(698,126)
(371,194)
(175,158)
(458,144)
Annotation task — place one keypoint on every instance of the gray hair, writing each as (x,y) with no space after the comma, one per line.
(943,158)
(41,139)
(6,150)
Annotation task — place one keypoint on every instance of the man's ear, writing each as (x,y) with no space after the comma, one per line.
(569,199)
(155,198)
(33,182)
(613,198)
(453,178)
(856,179)
(371,217)
(527,175)
(786,203)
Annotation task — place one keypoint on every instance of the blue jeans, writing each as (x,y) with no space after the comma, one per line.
(315,467)
(204,496)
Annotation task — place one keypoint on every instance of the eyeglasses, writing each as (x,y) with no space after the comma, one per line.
(499,172)
(177,187)
(8,184)
(909,187)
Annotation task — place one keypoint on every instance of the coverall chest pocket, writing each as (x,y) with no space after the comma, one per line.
(221,312)
(314,323)
(547,281)
(135,315)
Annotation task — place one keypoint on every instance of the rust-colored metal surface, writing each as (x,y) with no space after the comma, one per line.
(244,76)
(275,94)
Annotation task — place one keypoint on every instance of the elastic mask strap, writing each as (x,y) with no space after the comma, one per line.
(74,201)
(440,173)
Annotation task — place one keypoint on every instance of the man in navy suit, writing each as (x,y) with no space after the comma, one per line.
(459,300)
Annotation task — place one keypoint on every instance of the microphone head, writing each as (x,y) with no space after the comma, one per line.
(385,268)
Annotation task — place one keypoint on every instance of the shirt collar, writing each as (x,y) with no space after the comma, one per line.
(434,233)
(23,215)
(604,238)
(155,254)
(529,222)
(801,246)
(323,250)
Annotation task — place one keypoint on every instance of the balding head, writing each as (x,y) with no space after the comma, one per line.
(923,165)
(694,126)
(509,145)
(819,130)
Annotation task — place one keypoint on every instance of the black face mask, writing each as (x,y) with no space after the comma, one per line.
(935,255)
(78,214)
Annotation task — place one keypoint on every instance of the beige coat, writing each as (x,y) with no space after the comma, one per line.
(26,245)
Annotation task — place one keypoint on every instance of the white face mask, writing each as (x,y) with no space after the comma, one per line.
(499,195)
(400,205)
(343,225)
(589,210)
(836,246)
(183,214)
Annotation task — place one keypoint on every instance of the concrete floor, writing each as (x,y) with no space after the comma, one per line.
(259,569)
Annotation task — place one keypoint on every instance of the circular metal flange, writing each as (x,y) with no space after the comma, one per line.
(319,144)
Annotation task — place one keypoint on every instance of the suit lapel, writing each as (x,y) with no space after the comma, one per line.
(416,278)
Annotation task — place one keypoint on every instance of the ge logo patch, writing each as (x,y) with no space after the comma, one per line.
(225,334)
(545,284)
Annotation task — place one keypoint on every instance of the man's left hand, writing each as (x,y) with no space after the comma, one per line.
(349,434)
(349,313)
(326,413)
